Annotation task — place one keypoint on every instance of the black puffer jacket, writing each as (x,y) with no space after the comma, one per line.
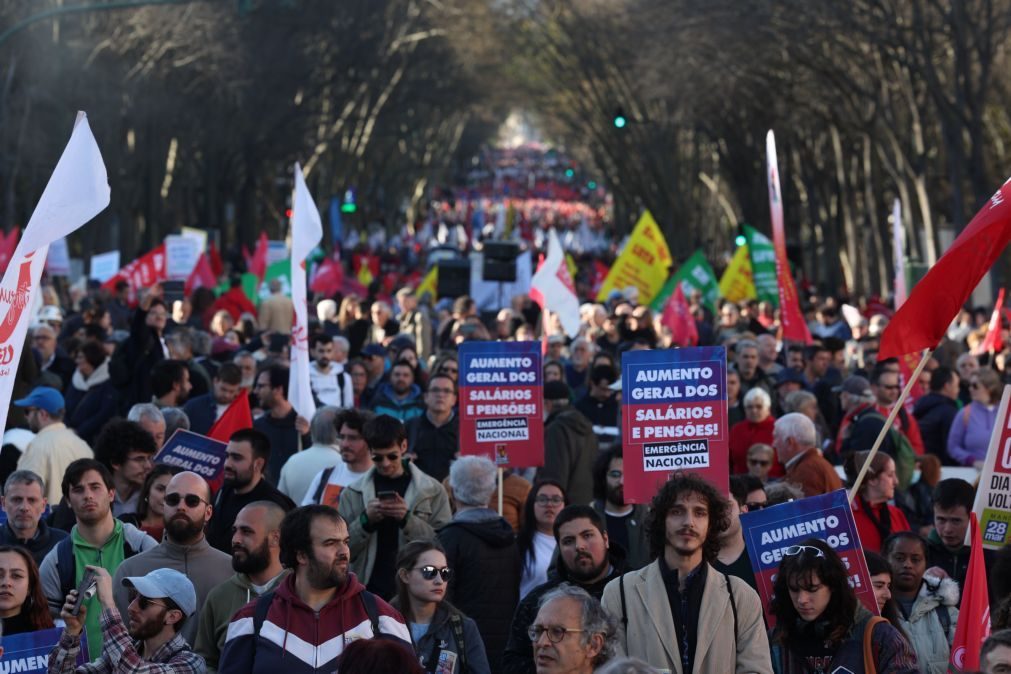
(934,413)
(570,449)
(481,550)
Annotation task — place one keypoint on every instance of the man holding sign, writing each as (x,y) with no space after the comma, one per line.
(681,595)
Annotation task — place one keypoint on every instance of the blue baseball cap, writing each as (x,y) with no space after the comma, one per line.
(166,584)
(374,350)
(45,398)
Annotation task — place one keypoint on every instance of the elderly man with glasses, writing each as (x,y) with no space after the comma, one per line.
(394,503)
(571,632)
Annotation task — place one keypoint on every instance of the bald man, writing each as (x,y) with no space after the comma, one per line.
(184,548)
(256,552)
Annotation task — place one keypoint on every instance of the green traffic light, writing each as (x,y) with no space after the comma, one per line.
(349,208)
(569,173)
(620,121)
(740,240)
(592,185)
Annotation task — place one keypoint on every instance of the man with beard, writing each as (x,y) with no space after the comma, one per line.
(245,458)
(97,539)
(679,613)
(399,397)
(256,541)
(160,605)
(185,548)
(204,410)
(330,384)
(356,460)
(286,432)
(585,559)
(305,624)
(625,521)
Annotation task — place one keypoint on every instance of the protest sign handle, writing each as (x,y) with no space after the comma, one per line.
(855,489)
(501,480)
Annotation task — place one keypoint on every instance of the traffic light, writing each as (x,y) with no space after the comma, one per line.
(348,205)
(740,239)
(620,120)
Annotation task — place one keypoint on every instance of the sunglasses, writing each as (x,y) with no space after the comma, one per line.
(799,549)
(756,505)
(429,572)
(192,500)
(383,458)
(143,602)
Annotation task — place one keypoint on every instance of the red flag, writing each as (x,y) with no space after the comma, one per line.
(235,418)
(258,263)
(247,257)
(678,317)
(328,278)
(934,301)
(7,246)
(974,611)
(214,257)
(143,272)
(202,276)
(794,325)
(993,342)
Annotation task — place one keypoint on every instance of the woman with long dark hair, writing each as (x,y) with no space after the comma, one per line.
(876,518)
(821,626)
(23,606)
(444,639)
(536,540)
(151,503)
(880,572)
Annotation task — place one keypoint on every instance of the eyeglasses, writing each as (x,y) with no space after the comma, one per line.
(799,549)
(383,458)
(143,602)
(615,474)
(192,500)
(555,633)
(756,505)
(429,572)
(553,500)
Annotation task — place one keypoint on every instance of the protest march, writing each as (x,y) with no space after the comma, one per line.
(526,409)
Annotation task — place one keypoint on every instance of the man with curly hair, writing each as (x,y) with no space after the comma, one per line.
(680,594)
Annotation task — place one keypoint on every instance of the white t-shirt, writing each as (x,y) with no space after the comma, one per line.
(333,387)
(535,571)
(340,477)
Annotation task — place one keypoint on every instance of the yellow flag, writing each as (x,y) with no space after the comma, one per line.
(429,285)
(737,282)
(571,264)
(365,275)
(644,262)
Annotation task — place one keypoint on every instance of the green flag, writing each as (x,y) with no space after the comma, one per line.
(694,274)
(763,265)
(277,270)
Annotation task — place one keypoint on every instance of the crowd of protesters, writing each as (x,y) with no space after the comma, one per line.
(360,539)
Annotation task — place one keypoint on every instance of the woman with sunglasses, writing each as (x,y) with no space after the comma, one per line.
(445,640)
(969,437)
(820,623)
(150,515)
(536,540)
(876,518)
(23,606)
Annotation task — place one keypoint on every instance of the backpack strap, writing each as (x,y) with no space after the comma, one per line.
(870,666)
(65,564)
(733,606)
(944,617)
(369,601)
(624,611)
(263,603)
(456,622)
(324,478)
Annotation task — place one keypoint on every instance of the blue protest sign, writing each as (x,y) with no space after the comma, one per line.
(198,453)
(28,652)
(770,531)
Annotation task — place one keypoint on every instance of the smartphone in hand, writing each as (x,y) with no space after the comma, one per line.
(85,590)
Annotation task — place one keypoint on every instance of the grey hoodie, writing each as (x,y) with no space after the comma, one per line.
(221,604)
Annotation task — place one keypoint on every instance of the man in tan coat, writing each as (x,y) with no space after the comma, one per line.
(679,613)
(277,311)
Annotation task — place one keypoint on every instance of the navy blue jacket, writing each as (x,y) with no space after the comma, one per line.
(202,412)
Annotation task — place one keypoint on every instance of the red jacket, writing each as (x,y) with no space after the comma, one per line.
(870,537)
(743,435)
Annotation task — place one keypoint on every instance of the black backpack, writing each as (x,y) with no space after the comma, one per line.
(66,566)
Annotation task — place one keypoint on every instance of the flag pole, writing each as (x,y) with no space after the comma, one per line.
(501,480)
(888,422)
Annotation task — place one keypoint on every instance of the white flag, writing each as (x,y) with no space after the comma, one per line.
(554,285)
(899,249)
(77,191)
(306,233)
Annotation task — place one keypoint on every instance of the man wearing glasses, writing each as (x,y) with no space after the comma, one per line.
(571,632)
(128,451)
(161,604)
(433,439)
(862,423)
(394,503)
(185,548)
(679,613)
